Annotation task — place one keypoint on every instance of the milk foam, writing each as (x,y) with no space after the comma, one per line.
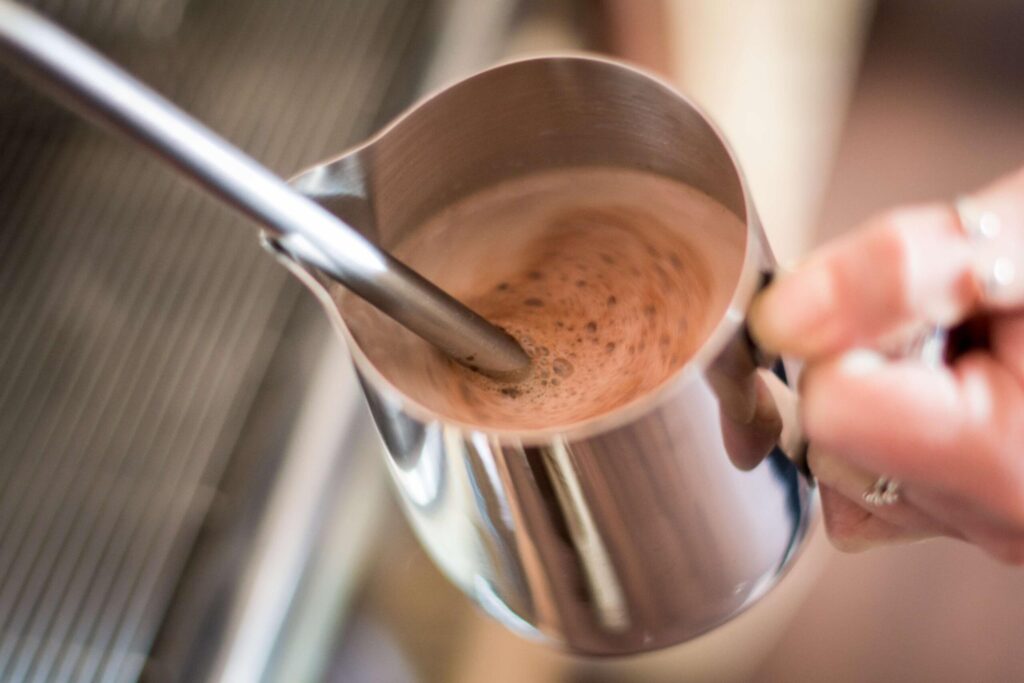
(610,279)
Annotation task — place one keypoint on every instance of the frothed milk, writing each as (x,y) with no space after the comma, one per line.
(609,278)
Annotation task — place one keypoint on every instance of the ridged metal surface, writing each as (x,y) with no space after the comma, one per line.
(136,316)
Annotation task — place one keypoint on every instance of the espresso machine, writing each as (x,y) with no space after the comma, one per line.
(178,486)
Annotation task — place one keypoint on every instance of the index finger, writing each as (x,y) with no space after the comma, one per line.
(903,267)
(908,266)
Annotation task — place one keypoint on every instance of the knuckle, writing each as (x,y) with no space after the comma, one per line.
(900,224)
(893,223)
(901,239)
(894,229)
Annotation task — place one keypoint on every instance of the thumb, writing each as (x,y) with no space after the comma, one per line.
(905,266)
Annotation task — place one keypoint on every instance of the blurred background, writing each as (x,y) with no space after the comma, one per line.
(190,488)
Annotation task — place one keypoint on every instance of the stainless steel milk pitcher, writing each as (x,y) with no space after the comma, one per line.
(645,526)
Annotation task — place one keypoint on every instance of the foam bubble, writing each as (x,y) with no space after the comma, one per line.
(562,367)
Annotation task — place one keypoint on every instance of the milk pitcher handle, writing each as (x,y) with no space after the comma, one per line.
(781,375)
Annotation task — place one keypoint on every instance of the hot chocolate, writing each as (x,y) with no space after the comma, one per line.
(610,279)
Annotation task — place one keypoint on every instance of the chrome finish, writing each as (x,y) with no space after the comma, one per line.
(633,531)
(81,77)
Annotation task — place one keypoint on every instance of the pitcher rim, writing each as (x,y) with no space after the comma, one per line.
(724,330)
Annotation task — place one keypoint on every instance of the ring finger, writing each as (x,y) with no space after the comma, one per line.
(853,483)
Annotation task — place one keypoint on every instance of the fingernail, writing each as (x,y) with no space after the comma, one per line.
(859,362)
(793,313)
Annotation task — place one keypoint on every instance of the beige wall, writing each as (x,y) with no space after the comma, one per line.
(776,75)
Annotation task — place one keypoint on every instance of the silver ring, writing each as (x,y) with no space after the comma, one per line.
(995,268)
(885,491)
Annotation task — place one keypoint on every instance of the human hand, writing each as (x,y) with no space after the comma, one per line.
(952,436)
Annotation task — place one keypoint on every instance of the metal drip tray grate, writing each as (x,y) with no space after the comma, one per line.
(137,318)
